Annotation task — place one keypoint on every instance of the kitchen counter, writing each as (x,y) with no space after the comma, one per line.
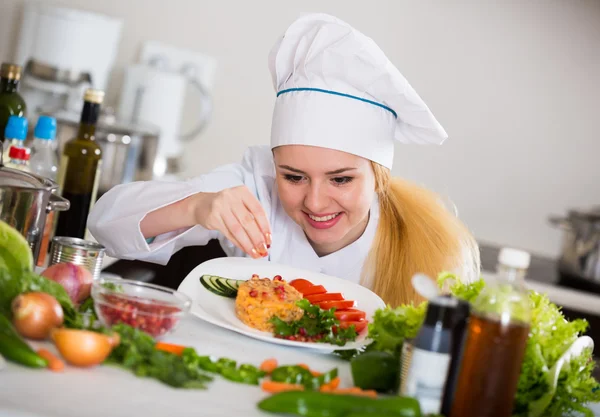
(543,277)
(108,391)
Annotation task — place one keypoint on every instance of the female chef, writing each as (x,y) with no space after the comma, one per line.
(321,196)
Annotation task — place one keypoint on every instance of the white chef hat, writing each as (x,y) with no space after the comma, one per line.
(336,89)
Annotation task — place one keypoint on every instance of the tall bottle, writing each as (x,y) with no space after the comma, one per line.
(15,134)
(80,167)
(44,162)
(11,102)
(496,341)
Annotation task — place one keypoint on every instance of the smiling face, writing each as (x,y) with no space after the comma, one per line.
(327,192)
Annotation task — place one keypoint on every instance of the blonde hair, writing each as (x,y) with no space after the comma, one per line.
(416,233)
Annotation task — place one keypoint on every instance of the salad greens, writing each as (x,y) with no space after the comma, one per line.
(550,336)
(316,325)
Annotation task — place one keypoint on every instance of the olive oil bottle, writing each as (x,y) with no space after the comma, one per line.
(11,102)
(79,170)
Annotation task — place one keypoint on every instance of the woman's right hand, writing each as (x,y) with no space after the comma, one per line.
(238,215)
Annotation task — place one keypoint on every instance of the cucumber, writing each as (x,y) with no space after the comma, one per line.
(206,283)
(234,284)
(218,282)
(225,287)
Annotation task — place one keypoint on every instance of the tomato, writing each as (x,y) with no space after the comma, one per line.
(313,290)
(329,296)
(359,325)
(338,305)
(350,315)
(300,284)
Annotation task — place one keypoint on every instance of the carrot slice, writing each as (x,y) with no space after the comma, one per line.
(329,296)
(273,386)
(359,325)
(331,385)
(338,305)
(350,314)
(354,391)
(300,284)
(315,289)
(54,363)
(268,365)
(169,347)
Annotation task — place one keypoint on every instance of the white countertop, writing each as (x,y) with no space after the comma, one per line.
(107,391)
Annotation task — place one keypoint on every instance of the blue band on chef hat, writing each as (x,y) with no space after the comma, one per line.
(335,93)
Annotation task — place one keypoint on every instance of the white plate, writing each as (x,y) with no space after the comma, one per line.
(220,311)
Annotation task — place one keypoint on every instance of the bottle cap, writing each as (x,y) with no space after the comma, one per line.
(10,71)
(514,258)
(94,96)
(45,128)
(17,152)
(16,128)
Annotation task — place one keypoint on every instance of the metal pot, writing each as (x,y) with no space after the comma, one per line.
(581,243)
(128,149)
(25,201)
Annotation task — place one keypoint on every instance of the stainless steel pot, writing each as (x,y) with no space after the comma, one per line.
(581,243)
(25,201)
(128,149)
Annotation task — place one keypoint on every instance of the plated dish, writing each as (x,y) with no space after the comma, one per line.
(281,304)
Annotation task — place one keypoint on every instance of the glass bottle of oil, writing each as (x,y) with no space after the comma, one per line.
(496,342)
(11,102)
(79,170)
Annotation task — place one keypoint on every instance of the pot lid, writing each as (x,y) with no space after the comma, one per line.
(10,177)
(587,214)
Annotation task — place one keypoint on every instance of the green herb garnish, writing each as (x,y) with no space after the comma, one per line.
(316,324)
(137,353)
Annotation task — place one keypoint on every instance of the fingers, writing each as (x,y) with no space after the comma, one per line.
(260,218)
(234,227)
(252,229)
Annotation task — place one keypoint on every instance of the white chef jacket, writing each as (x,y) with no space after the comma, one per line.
(115,220)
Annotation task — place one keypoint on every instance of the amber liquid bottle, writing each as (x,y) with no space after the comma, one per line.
(79,170)
(495,345)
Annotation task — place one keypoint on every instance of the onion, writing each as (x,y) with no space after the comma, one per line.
(83,347)
(76,279)
(35,314)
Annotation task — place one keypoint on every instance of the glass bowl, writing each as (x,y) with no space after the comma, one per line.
(151,308)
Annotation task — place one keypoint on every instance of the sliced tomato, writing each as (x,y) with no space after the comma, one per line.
(359,325)
(301,284)
(350,315)
(328,296)
(313,290)
(338,305)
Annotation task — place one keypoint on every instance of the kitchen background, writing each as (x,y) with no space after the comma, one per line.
(515,84)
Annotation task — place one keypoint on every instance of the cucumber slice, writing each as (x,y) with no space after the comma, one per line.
(227,292)
(207,283)
(234,284)
(225,287)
